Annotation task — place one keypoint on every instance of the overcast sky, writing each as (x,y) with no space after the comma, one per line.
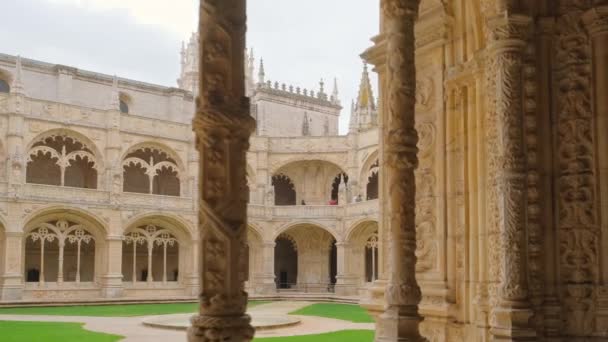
(300,41)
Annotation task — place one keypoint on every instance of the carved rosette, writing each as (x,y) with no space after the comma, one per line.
(401,319)
(223,126)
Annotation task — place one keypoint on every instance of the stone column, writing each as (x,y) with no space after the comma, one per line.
(400,321)
(596,21)
(111,279)
(507,158)
(265,282)
(346,283)
(12,279)
(223,126)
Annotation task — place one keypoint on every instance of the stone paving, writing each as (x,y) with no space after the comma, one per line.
(134,331)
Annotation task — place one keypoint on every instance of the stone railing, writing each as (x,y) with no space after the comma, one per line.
(313,211)
(64,194)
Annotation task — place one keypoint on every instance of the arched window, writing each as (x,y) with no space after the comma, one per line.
(4,87)
(124,107)
(150,252)
(372,182)
(284,191)
(371,258)
(151,171)
(60,251)
(61,160)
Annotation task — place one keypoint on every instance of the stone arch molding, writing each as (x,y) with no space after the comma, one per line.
(179,165)
(182,228)
(81,216)
(278,165)
(354,228)
(286,227)
(96,155)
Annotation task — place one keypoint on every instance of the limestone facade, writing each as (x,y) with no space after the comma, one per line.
(492,184)
(99,176)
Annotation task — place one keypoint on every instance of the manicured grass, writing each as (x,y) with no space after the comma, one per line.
(346,312)
(50,332)
(340,336)
(118,310)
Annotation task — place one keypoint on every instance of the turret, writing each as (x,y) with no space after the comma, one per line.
(364,113)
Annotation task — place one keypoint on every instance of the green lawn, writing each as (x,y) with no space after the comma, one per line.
(346,312)
(50,332)
(340,336)
(117,310)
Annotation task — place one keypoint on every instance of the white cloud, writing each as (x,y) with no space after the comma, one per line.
(177,16)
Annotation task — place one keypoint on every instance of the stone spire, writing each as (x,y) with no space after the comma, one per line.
(364,113)
(335,99)
(249,70)
(366,95)
(321,95)
(17,86)
(261,73)
(354,122)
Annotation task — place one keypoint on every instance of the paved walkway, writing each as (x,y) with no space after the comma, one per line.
(134,331)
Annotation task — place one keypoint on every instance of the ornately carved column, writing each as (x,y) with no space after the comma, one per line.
(401,319)
(510,321)
(222,126)
(596,21)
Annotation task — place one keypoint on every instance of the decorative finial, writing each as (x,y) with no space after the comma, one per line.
(322,84)
(262,73)
(115,95)
(17,86)
(334,94)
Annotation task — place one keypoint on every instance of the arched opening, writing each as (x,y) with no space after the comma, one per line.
(60,251)
(286,263)
(4,86)
(284,191)
(124,103)
(306,259)
(363,259)
(372,182)
(150,253)
(151,171)
(61,160)
(312,180)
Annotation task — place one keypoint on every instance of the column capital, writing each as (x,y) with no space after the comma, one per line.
(509,32)
(596,20)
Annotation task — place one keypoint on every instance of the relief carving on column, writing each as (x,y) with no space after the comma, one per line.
(401,319)
(426,251)
(578,226)
(507,177)
(222,125)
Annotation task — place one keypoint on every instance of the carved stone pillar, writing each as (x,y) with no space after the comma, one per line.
(111,280)
(12,279)
(401,320)
(510,319)
(596,21)
(265,283)
(223,126)
(346,283)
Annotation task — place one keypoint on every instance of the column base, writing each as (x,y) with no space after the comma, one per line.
(399,324)
(510,322)
(192,285)
(220,328)
(111,286)
(373,300)
(11,288)
(346,286)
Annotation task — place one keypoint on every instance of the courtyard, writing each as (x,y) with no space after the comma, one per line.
(315,321)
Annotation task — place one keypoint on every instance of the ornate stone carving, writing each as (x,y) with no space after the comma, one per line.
(508,177)
(222,125)
(401,318)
